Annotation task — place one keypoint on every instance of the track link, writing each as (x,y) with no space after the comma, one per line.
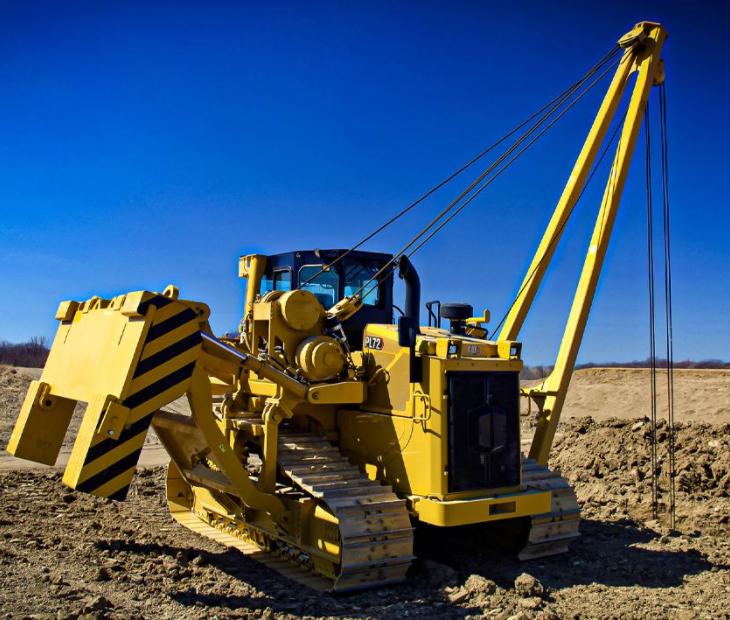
(551,532)
(376,536)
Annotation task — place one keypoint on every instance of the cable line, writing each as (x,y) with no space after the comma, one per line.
(496,174)
(550,104)
(652,331)
(668,302)
(445,212)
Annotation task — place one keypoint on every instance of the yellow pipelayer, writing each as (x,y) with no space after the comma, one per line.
(321,434)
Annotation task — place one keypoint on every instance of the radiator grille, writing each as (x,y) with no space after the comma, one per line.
(484,440)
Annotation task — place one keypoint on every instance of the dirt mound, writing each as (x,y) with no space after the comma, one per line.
(66,554)
(14,384)
(609,465)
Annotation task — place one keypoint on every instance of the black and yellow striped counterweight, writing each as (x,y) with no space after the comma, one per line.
(130,355)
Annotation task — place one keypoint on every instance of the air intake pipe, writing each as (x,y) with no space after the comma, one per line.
(408,324)
(407,272)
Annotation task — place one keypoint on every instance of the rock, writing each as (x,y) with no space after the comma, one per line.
(531,602)
(480,585)
(68,498)
(101,574)
(98,603)
(457,596)
(527,585)
(57,579)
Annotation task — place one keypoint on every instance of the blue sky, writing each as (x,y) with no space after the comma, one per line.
(144,145)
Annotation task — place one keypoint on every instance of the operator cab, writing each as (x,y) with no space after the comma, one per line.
(300,269)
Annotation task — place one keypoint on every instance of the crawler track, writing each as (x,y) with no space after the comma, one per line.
(550,533)
(373,526)
(376,537)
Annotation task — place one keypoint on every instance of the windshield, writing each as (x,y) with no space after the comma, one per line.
(357,274)
(325,286)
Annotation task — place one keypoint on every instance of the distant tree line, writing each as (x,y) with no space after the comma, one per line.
(32,354)
(538,372)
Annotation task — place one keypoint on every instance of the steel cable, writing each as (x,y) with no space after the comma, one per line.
(652,331)
(668,301)
(496,174)
(559,231)
(550,104)
(379,276)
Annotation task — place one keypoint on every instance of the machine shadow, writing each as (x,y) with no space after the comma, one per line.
(280,595)
(604,554)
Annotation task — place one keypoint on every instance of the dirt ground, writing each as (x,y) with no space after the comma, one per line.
(603,393)
(66,555)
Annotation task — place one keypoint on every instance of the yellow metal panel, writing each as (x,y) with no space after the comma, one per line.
(116,487)
(187,329)
(395,448)
(482,364)
(125,357)
(466,512)
(91,354)
(41,425)
(122,450)
(189,353)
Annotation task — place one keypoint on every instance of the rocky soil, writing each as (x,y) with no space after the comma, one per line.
(609,465)
(14,383)
(67,555)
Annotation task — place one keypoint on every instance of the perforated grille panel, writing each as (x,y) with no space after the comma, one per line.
(484,441)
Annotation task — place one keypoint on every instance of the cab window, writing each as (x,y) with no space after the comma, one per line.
(280,281)
(325,285)
(356,275)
